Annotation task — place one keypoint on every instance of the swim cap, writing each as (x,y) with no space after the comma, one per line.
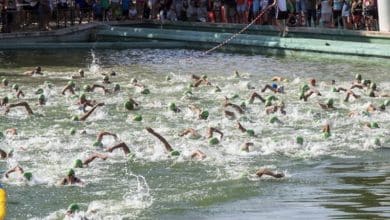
(301,95)
(70,172)
(78,164)
(98,144)
(334,89)
(117,87)
(172,106)
(113,73)
(72,131)
(167,78)
(243,105)
(204,114)
(358,77)
(377,142)
(213,141)
(326,134)
(105,78)
(204,77)
(271,98)
(133,80)
(299,140)
(4,81)
(75,118)
(137,118)
(235,96)
(373,86)
(274,86)
(374,125)
(145,91)
(87,88)
(81,71)
(5,100)
(273,119)
(41,98)
(366,82)
(129,105)
(371,93)
(39,91)
(1,135)
(15,86)
(268,103)
(73,207)
(71,83)
(330,102)
(175,153)
(217,89)
(305,88)
(386,102)
(382,106)
(250,132)
(82,96)
(27,175)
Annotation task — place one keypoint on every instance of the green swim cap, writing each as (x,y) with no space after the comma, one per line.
(73,207)
(326,134)
(82,96)
(78,164)
(175,153)
(371,93)
(334,89)
(5,100)
(189,86)
(299,140)
(330,102)
(98,144)
(268,103)
(117,87)
(39,91)
(70,172)
(172,106)
(273,119)
(301,94)
(377,142)
(27,175)
(374,125)
(15,86)
(4,81)
(386,102)
(204,114)
(105,78)
(358,77)
(250,132)
(305,88)
(366,82)
(213,141)
(71,83)
(204,76)
(243,105)
(87,88)
(373,86)
(145,91)
(382,106)
(188,92)
(75,118)
(137,118)
(271,98)
(72,131)
(235,96)
(41,98)
(129,105)
(1,135)
(167,78)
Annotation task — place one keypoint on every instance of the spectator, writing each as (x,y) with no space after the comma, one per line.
(311,13)
(230,10)
(241,9)
(132,12)
(256,9)
(346,14)
(326,13)
(357,13)
(139,6)
(171,14)
(126,9)
(201,7)
(370,14)
(337,8)
(300,7)
(97,10)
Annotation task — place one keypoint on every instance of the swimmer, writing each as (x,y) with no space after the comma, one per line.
(250,132)
(135,83)
(101,134)
(4,101)
(326,130)
(265,171)
(84,102)
(193,134)
(201,80)
(18,169)
(87,114)
(81,75)
(121,145)
(198,155)
(37,71)
(245,146)
(41,100)
(81,164)
(370,125)
(71,179)
(131,104)
(256,95)
(212,130)
(274,108)
(106,80)
(69,87)
(306,95)
(5,155)
(236,74)
(21,104)
(312,82)
(72,209)
(349,94)
(278,79)
(202,114)
(274,88)
(328,105)
(11,131)
(234,106)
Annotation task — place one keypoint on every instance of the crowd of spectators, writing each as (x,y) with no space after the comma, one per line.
(347,14)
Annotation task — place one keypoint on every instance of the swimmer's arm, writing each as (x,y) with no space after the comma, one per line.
(238,108)
(68,87)
(245,146)
(358,86)
(168,147)
(188,131)
(265,171)
(211,131)
(240,127)
(105,133)
(268,87)
(133,101)
(19,93)
(15,169)
(195,77)
(94,86)
(86,115)
(93,157)
(23,104)
(256,95)
(229,113)
(341,89)
(122,145)
(198,82)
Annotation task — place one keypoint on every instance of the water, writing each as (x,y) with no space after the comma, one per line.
(345,176)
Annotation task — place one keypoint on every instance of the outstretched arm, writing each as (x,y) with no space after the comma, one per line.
(265,171)
(188,131)
(15,169)
(211,131)
(93,157)
(236,107)
(94,86)
(68,88)
(87,114)
(198,154)
(256,95)
(23,104)
(122,145)
(100,136)
(168,147)
(19,93)
(269,87)
(240,127)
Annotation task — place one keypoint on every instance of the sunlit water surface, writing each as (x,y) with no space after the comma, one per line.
(344,176)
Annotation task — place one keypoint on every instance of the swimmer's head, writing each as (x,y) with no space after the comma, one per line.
(117,87)
(98,144)
(71,83)
(129,105)
(4,82)
(374,125)
(172,106)
(82,97)
(204,114)
(73,208)
(106,79)
(204,77)
(373,86)
(39,91)
(305,88)
(366,82)
(78,164)
(87,88)
(213,141)
(250,132)
(330,102)
(268,103)
(168,78)
(312,82)
(41,99)
(273,119)
(137,118)
(299,140)
(274,85)
(75,118)
(81,72)
(113,73)
(145,91)
(71,173)
(15,87)
(175,153)
(5,100)
(358,77)
(72,131)
(27,176)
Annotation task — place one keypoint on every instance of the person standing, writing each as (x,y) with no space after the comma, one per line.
(337,8)
(311,12)
(281,16)
(326,13)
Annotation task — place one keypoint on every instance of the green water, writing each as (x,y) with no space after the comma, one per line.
(344,176)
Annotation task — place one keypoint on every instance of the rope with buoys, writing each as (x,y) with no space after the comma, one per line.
(236,34)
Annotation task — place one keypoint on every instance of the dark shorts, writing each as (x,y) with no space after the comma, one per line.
(282,15)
